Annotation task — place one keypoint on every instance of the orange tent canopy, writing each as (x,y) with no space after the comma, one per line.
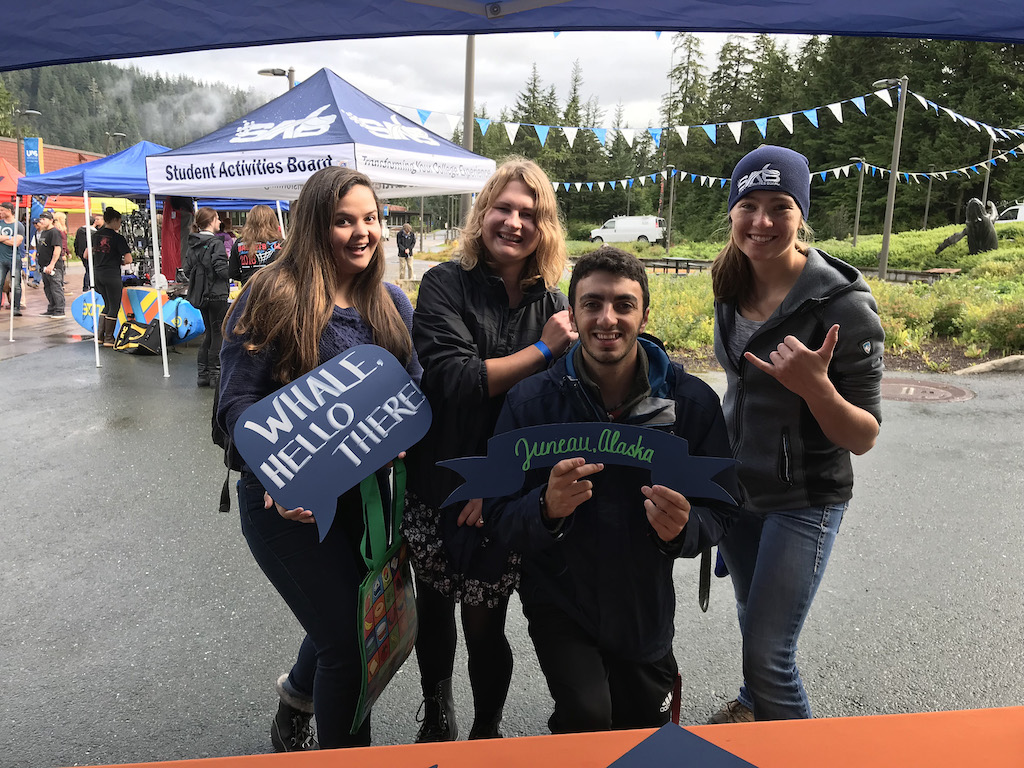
(70,204)
(9,176)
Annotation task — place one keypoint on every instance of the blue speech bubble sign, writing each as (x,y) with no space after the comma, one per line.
(323,433)
(511,455)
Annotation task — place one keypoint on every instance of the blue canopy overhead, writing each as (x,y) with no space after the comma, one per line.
(323,121)
(119,175)
(95,31)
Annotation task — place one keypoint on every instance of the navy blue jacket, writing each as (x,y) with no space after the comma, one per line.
(606,566)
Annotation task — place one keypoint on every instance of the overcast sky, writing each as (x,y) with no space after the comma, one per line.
(429,72)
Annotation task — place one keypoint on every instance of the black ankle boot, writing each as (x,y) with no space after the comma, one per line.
(291,730)
(438,716)
(486,728)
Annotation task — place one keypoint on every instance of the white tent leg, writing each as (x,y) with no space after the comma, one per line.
(15,260)
(158,280)
(92,280)
(280,219)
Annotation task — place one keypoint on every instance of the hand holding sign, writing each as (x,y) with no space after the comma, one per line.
(668,511)
(321,434)
(567,487)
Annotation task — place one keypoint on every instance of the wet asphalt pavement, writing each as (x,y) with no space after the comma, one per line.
(136,626)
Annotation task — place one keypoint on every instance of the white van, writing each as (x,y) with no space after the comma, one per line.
(1013,213)
(622,229)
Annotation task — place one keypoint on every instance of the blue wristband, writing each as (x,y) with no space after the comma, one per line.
(545,350)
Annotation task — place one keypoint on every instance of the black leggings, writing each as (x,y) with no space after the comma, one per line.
(490,656)
(109,286)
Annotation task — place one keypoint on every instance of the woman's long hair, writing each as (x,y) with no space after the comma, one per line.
(548,261)
(732,277)
(260,226)
(204,218)
(291,300)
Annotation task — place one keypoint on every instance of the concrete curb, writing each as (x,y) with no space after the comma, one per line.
(1008,363)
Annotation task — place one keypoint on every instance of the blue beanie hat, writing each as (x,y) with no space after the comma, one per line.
(776,169)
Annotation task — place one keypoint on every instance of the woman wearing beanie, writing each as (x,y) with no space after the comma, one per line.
(798,335)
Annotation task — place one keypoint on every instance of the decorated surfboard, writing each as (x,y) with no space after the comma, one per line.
(83,307)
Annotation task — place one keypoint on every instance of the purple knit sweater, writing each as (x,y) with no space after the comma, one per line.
(246,378)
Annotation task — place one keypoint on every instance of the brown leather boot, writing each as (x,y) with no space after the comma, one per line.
(109,324)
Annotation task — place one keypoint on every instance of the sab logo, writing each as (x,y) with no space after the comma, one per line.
(392,129)
(313,124)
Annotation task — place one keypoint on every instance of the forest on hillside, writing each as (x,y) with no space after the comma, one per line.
(80,104)
(752,77)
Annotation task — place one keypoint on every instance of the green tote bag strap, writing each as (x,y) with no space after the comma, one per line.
(375,544)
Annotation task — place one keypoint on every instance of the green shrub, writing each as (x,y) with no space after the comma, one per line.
(580,230)
(1004,327)
(947,319)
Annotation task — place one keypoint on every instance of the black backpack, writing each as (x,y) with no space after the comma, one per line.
(199,271)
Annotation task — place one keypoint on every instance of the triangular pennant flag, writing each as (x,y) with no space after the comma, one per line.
(915,178)
(657,35)
(542,133)
(454,121)
(693,177)
(787,120)
(705,180)
(835,173)
(578,186)
(600,185)
(846,171)
(554,185)
(628,134)
(711,130)
(972,123)
(684,133)
(812,115)
(590,186)
(823,174)
(944,175)
(557,34)
(642,180)
(885,96)
(601,133)
(424,115)
(570,134)
(950,112)
(656,135)
(484,124)
(654,177)
(721,183)
(989,129)
(975,169)
(611,184)
(920,99)
(512,129)
(837,110)
(664,175)
(906,177)
(565,184)
(933,105)
(762,126)
(736,127)
(859,101)
(630,183)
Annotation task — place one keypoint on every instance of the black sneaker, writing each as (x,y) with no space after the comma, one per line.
(17,313)
(292,730)
(47,313)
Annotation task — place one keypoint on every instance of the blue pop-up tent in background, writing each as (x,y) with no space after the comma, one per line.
(321,122)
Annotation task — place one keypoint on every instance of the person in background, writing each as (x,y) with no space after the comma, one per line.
(207,250)
(257,245)
(226,233)
(50,259)
(798,334)
(82,246)
(483,323)
(325,294)
(406,242)
(110,251)
(12,241)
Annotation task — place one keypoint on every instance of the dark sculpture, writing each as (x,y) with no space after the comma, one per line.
(980,229)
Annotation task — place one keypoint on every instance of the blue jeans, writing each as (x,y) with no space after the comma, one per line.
(15,275)
(777,562)
(320,583)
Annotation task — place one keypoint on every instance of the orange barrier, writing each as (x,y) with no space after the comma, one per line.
(979,737)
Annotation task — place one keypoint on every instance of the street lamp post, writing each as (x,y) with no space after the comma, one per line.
(115,135)
(894,169)
(860,194)
(671,204)
(988,169)
(21,114)
(928,198)
(278,72)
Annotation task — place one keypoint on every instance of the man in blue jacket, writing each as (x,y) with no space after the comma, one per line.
(598,541)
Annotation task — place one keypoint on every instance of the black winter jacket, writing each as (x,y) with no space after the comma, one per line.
(786,462)
(606,567)
(462,319)
(218,256)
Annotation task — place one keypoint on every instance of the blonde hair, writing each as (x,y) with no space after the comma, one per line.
(291,299)
(60,220)
(546,263)
(260,226)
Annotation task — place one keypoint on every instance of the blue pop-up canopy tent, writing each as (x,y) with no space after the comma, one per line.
(323,121)
(91,31)
(119,175)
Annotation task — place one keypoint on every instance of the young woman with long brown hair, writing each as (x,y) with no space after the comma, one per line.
(323,295)
(258,244)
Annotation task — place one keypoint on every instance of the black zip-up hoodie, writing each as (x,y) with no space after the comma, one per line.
(786,462)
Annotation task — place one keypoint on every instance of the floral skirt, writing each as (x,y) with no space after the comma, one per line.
(464,564)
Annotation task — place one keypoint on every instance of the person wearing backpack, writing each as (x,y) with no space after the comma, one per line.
(109,252)
(206,265)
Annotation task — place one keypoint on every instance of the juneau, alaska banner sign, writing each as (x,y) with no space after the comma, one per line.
(323,433)
(512,454)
